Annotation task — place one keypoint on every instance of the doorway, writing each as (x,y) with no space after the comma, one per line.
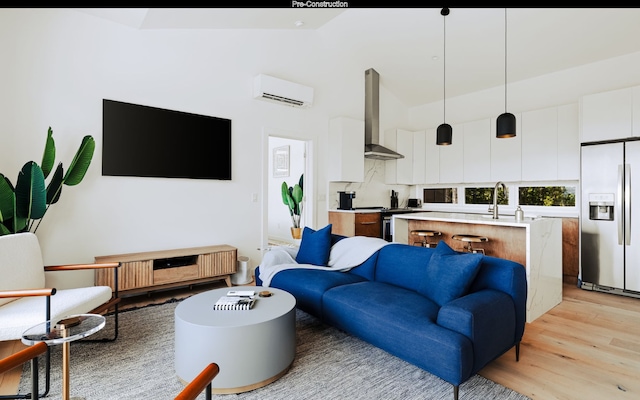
(286,162)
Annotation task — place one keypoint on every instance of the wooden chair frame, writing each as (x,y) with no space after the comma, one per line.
(48,292)
(200,383)
(30,353)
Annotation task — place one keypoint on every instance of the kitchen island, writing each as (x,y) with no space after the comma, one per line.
(535,243)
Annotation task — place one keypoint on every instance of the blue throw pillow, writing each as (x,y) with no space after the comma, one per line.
(449,274)
(315,246)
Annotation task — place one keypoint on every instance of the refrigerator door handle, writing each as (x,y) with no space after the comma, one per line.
(627,204)
(619,213)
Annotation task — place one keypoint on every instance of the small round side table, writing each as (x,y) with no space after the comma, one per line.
(64,331)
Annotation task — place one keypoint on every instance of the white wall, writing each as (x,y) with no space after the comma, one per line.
(58,65)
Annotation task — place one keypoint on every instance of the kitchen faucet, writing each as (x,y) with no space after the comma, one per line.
(494,207)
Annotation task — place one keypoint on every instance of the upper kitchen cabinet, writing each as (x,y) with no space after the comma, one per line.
(610,115)
(399,171)
(568,142)
(431,156)
(477,150)
(506,154)
(419,159)
(539,144)
(452,157)
(550,145)
(346,150)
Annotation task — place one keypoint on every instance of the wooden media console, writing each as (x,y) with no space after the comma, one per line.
(156,270)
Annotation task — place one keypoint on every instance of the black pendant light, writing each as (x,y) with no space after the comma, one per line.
(506,123)
(444,133)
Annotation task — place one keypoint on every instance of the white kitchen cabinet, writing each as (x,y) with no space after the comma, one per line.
(452,157)
(636,111)
(399,171)
(607,115)
(419,157)
(506,154)
(431,158)
(391,166)
(568,143)
(477,150)
(404,146)
(346,150)
(540,144)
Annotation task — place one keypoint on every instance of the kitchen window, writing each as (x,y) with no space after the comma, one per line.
(440,195)
(548,196)
(556,196)
(484,195)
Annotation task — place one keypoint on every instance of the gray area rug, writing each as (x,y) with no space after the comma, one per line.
(329,364)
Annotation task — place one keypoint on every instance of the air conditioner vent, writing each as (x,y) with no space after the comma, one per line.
(283,92)
(275,97)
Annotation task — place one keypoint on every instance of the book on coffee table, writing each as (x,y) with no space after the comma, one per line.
(234,303)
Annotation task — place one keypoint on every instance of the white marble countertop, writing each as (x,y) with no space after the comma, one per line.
(378,210)
(487,219)
(362,210)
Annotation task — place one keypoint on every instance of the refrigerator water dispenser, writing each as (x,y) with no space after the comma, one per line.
(601,206)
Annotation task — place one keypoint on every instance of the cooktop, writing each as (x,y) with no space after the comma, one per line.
(389,210)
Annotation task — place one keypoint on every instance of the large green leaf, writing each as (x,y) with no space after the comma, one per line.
(286,198)
(80,162)
(54,189)
(30,192)
(4,230)
(296,194)
(7,199)
(49,156)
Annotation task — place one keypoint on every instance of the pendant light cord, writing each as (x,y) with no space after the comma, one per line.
(505,60)
(444,12)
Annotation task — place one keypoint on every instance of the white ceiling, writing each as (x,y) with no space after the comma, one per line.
(406,45)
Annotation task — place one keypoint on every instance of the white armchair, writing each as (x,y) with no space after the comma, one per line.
(25,301)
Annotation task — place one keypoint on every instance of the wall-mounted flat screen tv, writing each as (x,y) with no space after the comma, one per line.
(147,141)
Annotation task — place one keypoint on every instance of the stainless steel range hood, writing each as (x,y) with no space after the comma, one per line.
(372,147)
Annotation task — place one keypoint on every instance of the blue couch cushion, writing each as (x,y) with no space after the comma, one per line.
(403,265)
(449,274)
(315,246)
(309,285)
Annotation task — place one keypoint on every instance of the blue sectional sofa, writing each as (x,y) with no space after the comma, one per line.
(447,312)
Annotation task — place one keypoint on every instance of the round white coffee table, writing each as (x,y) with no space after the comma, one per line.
(252,347)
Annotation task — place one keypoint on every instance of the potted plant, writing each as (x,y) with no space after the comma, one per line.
(29,200)
(292,198)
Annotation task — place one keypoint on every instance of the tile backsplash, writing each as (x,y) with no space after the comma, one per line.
(373,192)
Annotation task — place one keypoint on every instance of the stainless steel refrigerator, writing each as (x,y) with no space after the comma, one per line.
(610,231)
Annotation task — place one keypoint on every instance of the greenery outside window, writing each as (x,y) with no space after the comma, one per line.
(548,196)
(484,195)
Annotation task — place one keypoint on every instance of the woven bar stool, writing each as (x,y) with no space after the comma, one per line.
(425,235)
(468,239)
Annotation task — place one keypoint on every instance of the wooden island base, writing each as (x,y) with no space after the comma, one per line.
(504,241)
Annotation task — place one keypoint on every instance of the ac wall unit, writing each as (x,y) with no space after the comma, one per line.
(283,92)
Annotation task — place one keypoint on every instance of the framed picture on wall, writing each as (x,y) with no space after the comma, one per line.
(281,162)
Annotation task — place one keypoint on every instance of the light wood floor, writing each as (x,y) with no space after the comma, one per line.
(588,347)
